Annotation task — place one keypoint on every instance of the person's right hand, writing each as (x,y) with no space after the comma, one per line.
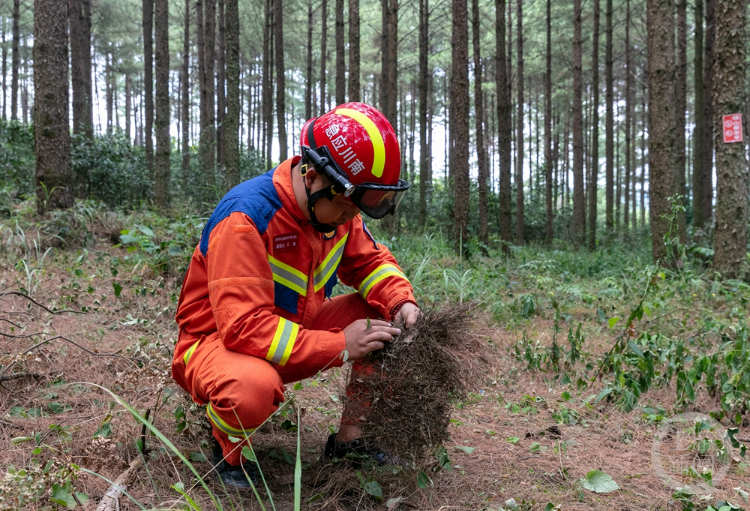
(361,340)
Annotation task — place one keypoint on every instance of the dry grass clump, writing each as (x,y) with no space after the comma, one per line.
(405,392)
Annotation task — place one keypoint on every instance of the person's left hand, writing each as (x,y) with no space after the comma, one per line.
(407,314)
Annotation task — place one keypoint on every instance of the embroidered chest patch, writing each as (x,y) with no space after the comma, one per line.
(285,242)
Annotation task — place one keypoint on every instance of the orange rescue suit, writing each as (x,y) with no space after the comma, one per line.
(253,313)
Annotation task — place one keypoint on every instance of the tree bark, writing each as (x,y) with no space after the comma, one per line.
(354,83)
(424,76)
(460,115)
(209,60)
(232,121)
(579,218)
(4,51)
(80,50)
(504,125)
(483,174)
(186,93)
(699,137)
(148,80)
(680,97)
(340,61)
(128,99)
(520,221)
(15,60)
(163,142)
(309,73)
(267,94)
(280,77)
(548,125)
(391,79)
(660,25)
(730,236)
(323,55)
(708,112)
(591,190)
(51,131)
(221,106)
(609,123)
(628,122)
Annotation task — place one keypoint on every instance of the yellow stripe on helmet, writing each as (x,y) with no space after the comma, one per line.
(378,147)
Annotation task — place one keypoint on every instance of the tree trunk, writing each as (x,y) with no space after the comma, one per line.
(80,49)
(323,53)
(128,99)
(548,124)
(309,73)
(424,76)
(520,236)
(680,98)
(610,122)
(186,93)
(280,77)
(267,95)
(708,109)
(340,61)
(483,176)
(460,115)
(221,78)
(4,50)
(730,237)
(644,161)
(699,137)
(51,131)
(209,60)
(232,120)
(504,126)
(163,143)
(391,79)
(579,218)
(148,81)
(354,57)
(591,190)
(15,60)
(660,24)
(628,122)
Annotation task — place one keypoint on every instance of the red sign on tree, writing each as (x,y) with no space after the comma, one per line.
(732,128)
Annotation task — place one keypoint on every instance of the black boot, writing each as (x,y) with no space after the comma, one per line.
(358,450)
(234,475)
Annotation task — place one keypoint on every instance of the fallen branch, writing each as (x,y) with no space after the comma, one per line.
(60,337)
(23,295)
(18,376)
(110,501)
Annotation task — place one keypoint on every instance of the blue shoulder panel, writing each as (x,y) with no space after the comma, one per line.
(257,198)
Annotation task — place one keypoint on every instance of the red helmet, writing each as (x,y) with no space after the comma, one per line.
(355,147)
(360,140)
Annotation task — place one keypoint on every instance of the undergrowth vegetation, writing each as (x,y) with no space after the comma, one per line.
(605,332)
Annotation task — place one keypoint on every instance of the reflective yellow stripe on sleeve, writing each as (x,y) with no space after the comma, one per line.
(283,342)
(288,276)
(324,271)
(223,426)
(189,352)
(380,273)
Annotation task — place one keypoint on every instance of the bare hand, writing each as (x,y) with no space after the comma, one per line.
(361,340)
(407,314)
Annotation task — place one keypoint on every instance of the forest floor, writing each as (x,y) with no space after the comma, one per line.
(531,430)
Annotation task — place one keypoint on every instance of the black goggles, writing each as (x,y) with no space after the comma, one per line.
(374,199)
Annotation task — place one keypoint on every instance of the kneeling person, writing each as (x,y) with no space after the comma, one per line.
(253,313)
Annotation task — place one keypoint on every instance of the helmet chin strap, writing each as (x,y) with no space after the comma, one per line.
(312,198)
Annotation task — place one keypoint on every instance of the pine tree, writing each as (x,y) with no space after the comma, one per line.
(163,143)
(52,136)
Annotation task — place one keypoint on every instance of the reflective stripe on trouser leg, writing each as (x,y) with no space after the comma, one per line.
(222,425)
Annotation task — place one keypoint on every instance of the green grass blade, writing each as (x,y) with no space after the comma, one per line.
(190,501)
(298,468)
(161,437)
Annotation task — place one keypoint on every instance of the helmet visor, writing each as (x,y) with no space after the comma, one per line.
(377,200)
